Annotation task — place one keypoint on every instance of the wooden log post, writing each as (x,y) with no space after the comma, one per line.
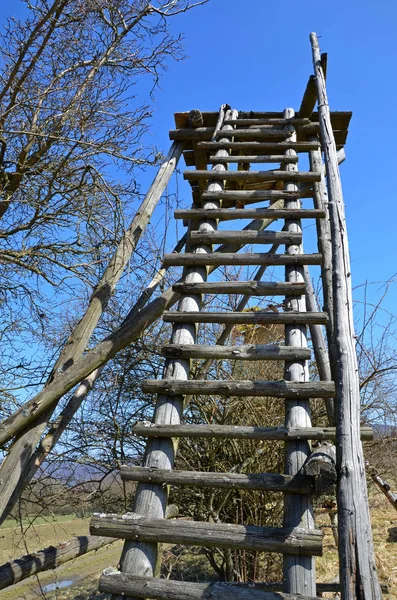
(50,558)
(142,558)
(358,575)
(298,571)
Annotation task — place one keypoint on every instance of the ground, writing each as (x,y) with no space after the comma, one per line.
(85,570)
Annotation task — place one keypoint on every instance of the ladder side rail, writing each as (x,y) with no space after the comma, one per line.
(141,558)
(298,571)
(358,575)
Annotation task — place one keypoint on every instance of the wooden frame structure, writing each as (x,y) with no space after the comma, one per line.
(231,142)
(221,147)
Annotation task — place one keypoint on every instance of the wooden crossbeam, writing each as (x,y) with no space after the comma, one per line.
(245,237)
(214,535)
(252,176)
(238,259)
(230,214)
(241,432)
(273,389)
(264,158)
(243,352)
(167,589)
(259,146)
(256,288)
(271,482)
(247,318)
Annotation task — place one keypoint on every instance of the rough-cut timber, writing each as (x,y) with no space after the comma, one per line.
(147,429)
(358,575)
(246,317)
(252,288)
(274,122)
(271,482)
(257,134)
(274,389)
(229,214)
(245,195)
(245,237)
(264,158)
(213,535)
(166,589)
(50,558)
(249,258)
(259,146)
(298,572)
(249,176)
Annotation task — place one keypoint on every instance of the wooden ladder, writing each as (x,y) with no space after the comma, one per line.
(231,144)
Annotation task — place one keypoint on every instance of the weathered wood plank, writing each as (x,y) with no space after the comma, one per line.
(214,535)
(147,429)
(249,317)
(298,572)
(244,195)
(249,258)
(245,237)
(259,146)
(260,134)
(245,352)
(264,158)
(271,482)
(166,589)
(243,318)
(357,566)
(49,558)
(252,288)
(275,122)
(274,175)
(273,389)
(229,214)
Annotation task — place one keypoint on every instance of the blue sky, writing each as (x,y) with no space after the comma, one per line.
(256,56)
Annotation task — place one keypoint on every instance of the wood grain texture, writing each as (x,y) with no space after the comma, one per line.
(271,482)
(214,535)
(166,589)
(257,316)
(147,429)
(358,574)
(273,389)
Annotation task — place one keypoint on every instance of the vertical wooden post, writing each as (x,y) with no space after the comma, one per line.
(299,571)
(141,558)
(358,576)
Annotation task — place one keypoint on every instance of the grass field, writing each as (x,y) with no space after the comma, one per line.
(85,570)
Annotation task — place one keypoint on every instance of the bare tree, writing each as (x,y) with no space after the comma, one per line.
(72,111)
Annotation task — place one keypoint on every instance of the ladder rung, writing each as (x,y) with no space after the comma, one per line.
(254,134)
(254,195)
(230,214)
(275,122)
(166,589)
(245,318)
(240,432)
(249,176)
(273,389)
(246,352)
(271,482)
(238,259)
(251,288)
(259,146)
(246,237)
(219,535)
(264,158)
